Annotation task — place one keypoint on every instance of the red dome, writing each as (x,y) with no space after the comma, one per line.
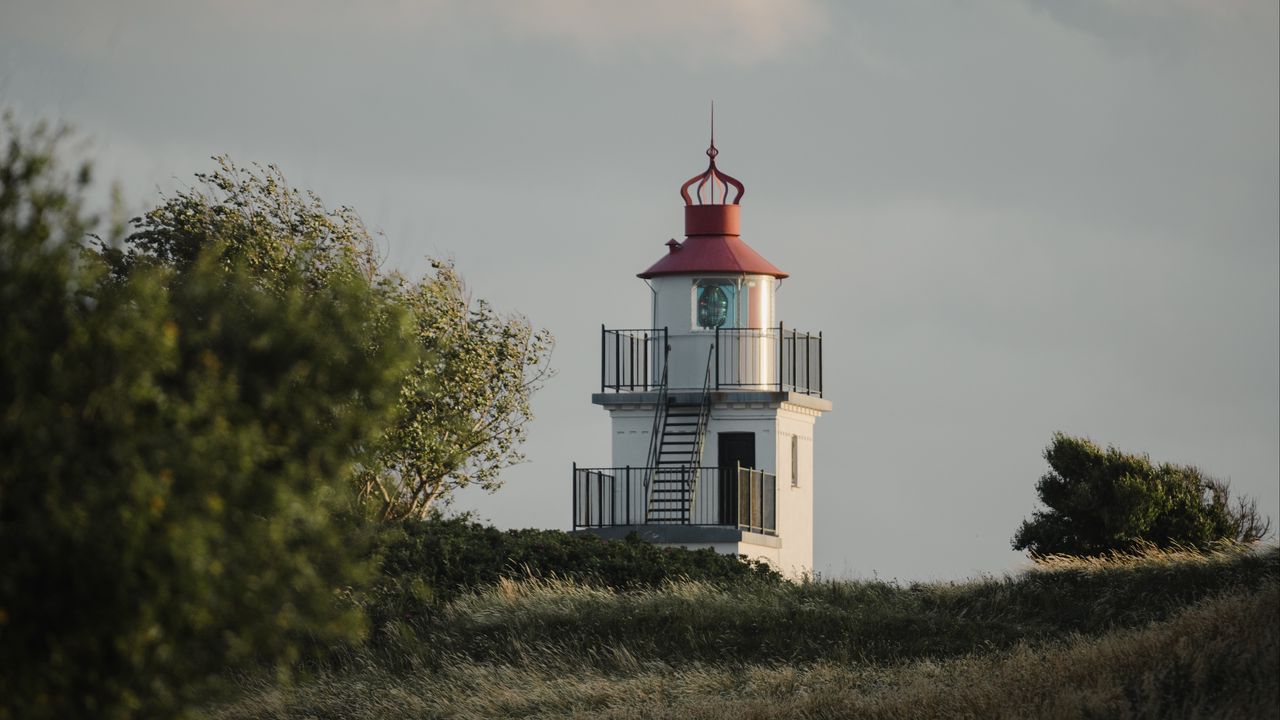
(712,244)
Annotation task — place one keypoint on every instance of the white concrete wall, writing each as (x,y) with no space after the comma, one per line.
(773,426)
(632,426)
(631,433)
(795,503)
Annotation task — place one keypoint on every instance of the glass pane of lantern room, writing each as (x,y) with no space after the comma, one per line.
(715,305)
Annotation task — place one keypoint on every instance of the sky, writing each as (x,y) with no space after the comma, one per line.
(1007,218)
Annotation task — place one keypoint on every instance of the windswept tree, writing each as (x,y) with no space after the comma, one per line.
(1098,501)
(255,220)
(177,457)
(463,405)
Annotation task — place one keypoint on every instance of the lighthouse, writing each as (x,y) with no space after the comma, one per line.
(712,407)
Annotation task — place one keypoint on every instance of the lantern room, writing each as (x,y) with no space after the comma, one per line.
(714,284)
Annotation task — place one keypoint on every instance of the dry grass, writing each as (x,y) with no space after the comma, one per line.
(1215,655)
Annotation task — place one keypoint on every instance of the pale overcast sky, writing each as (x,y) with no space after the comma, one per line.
(1007,218)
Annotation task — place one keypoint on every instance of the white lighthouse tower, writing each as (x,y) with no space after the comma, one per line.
(712,407)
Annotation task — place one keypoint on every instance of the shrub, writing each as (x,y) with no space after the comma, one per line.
(426,564)
(177,457)
(1101,501)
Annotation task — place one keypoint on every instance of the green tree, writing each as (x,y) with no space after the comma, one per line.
(463,406)
(1100,501)
(176,458)
(257,221)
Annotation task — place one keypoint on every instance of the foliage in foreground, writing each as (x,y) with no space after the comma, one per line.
(463,406)
(1157,636)
(1100,501)
(177,459)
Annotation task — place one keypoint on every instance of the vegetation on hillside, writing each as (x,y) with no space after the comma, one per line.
(425,565)
(1099,501)
(1155,635)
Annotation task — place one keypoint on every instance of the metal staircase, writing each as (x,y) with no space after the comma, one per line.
(676,454)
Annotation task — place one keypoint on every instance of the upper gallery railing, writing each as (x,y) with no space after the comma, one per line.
(632,360)
(773,358)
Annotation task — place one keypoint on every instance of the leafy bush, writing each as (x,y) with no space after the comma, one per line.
(1102,501)
(1183,634)
(427,564)
(177,459)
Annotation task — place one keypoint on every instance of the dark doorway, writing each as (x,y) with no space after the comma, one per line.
(735,449)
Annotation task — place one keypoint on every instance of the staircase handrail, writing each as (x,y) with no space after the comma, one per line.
(659,419)
(704,415)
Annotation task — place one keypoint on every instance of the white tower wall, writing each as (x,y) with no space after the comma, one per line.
(773,418)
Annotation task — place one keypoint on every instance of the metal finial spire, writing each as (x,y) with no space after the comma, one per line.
(719,181)
(711,151)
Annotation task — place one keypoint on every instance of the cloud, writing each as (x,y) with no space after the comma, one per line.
(736,32)
(1163,27)
(741,32)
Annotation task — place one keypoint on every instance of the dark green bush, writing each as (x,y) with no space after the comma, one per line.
(177,460)
(1099,501)
(428,563)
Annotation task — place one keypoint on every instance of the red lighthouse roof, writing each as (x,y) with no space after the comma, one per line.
(712,243)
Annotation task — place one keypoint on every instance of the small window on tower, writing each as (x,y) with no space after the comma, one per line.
(715,304)
(795,461)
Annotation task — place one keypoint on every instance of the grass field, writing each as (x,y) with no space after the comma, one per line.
(1162,635)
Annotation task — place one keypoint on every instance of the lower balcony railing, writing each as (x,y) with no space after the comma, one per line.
(739,497)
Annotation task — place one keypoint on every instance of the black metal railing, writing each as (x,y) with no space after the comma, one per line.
(660,409)
(632,360)
(745,498)
(775,358)
(757,501)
